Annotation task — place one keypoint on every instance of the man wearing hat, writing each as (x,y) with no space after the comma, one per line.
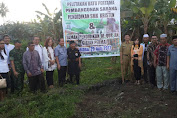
(172,64)
(144,56)
(125,57)
(74,62)
(61,59)
(160,62)
(16,57)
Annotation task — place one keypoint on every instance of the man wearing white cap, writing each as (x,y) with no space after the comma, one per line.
(160,62)
(145,46)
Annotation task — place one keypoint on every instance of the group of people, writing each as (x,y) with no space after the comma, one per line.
(154,61)
(14,62)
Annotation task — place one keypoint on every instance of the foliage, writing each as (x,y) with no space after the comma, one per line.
(150,16)
(51,23)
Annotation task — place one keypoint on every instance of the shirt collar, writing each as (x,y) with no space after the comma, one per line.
(173,46)
(165,44)
(147,43)
(126,42)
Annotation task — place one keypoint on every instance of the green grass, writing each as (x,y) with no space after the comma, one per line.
(59,102)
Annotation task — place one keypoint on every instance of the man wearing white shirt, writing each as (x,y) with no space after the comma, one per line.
(38,47)
(8,46)
(145,62)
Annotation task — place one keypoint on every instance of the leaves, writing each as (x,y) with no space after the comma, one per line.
(172,3)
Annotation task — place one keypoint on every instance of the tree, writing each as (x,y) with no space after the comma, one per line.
(3,10)
(163,8)
(144,9)
(49,22)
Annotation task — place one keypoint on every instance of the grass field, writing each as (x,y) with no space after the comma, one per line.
(59,102)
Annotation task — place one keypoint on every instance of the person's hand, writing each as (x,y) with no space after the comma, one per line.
(16,74)
(150,64)
(121,62)
(168,67)
(29,74)
(80,65)
(123,81)
(42,70)
(136,58)
(77,59)
(59,67)
(155,65)
(52,62)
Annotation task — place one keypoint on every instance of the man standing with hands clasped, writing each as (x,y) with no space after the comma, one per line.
(61,59)
(125,57)
(74,62)
(160,62)
(172,64)
(16,59)
(34,69)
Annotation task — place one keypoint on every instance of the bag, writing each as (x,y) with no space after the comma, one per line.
(3,83)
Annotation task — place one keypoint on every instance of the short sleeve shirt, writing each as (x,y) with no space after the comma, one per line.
(172,52)
(125,48)
(61,53)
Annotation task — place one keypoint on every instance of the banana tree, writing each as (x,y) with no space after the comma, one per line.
(163,11)
(145,9)
(48,18)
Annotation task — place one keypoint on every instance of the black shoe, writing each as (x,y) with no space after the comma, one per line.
(127,81)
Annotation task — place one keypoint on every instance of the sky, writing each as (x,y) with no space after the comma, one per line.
(24,10)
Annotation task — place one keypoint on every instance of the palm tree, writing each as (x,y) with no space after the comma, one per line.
(3,10)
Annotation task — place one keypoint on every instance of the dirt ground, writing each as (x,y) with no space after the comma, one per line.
(127,101)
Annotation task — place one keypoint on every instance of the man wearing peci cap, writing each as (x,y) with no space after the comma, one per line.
(144,56)
(125,57)
(172,64)
(74,62)
(16,60)
(160,62)
(33,66)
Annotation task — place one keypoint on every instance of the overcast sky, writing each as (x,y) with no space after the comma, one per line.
(24,10)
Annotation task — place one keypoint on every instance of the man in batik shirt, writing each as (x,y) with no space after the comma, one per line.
(150,57)
(33,66)
(160,62)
